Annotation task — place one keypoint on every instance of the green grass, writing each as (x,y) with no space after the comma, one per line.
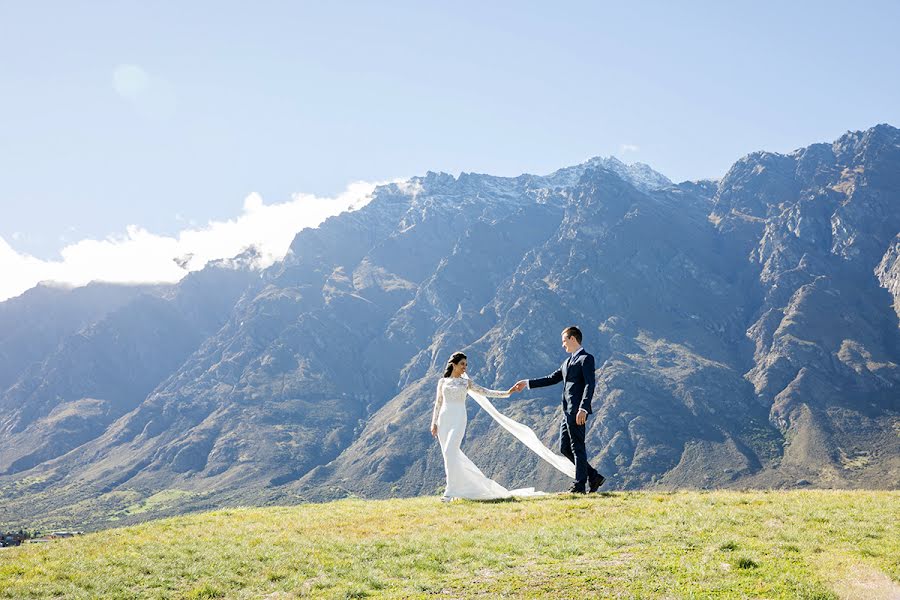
(156,501)
(801,544)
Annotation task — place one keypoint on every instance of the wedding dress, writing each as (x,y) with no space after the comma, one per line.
(464,478)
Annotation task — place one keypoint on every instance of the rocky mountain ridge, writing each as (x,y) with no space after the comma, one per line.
(745,334)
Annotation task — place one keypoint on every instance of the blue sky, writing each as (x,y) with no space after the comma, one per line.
(167,115)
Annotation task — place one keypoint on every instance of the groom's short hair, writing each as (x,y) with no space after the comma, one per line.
(573,332)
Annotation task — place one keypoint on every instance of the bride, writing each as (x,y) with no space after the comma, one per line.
(448,424)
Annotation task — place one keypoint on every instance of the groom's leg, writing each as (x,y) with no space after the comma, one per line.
(568,452)
(576,434)
(565,442)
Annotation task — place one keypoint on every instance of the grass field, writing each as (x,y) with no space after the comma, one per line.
(798,544)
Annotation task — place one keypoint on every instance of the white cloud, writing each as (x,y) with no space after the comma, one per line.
(139,256)
(628,148)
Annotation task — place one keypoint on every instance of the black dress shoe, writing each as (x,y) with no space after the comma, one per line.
(576,489)
(595,482)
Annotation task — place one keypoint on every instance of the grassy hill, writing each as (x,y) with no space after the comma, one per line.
(797,544)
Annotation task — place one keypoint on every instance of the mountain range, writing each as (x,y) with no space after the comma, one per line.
(745,330)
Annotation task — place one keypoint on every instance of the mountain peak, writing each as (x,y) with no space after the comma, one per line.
(638,174)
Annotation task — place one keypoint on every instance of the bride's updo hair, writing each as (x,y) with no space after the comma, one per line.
(454,360)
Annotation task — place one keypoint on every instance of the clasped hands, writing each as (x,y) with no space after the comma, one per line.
(520,385)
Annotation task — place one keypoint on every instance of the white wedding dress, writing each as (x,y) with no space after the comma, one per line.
(464,478)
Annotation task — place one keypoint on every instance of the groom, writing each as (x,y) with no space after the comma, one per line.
(577,375)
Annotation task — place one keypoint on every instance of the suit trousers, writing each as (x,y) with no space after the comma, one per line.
(571,445)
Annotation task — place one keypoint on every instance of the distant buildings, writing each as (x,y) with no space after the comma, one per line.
(12,538)
(17,538)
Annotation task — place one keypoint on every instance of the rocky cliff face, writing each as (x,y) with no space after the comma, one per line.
(745,334)
(825,356)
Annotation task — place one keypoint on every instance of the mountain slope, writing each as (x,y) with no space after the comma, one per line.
(745,333)
(103,371)
(33,324)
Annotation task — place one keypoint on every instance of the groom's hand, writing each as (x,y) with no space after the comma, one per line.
(521,385)
(581,417)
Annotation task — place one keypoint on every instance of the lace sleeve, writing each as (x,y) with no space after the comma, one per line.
(486,392)
(439,399)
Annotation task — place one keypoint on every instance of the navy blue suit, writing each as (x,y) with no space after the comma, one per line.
(577,376)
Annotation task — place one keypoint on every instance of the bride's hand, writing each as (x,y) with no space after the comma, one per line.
(434,430)
(518,387)
(512,390)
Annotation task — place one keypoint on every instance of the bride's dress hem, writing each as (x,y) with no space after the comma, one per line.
(517,493)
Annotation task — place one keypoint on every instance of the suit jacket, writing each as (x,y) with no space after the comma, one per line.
(577,373)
